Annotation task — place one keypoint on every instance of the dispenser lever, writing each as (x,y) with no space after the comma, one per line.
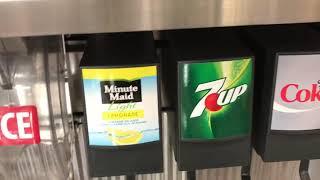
(246,170)
(304,170)
(245,173)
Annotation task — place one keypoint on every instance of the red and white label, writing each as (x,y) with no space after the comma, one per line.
(296,105)
(19,125)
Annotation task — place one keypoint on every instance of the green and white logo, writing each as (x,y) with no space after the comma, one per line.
(215,99)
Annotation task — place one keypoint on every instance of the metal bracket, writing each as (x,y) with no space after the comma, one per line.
(304,170)
(245,173)
(75,43)
(246,170)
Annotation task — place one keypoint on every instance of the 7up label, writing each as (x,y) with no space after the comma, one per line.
(216,99)
(216,96)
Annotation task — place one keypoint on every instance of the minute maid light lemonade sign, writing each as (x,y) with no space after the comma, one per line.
(121,105)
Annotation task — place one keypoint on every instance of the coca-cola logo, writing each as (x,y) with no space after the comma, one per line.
(296,93)
(296,101)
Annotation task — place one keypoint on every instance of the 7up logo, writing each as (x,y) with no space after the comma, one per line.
(217,97)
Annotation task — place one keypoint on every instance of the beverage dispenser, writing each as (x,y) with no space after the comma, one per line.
(208,79)
(120,80)
(287,96)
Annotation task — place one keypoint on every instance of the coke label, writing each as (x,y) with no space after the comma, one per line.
(296,103)
(300,94)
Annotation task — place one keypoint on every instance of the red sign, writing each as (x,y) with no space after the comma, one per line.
(19,125)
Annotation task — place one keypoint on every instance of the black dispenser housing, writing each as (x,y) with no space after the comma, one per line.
(287,98)
(215,135)
(123,124)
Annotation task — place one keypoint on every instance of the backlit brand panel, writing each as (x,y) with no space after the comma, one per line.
(215,99)
(121,105)
(296,103)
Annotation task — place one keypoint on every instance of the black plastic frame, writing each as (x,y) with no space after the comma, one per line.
(278,137)
(212,153)
(116,172)
(127,160)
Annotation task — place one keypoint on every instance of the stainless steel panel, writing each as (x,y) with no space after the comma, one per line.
(42,17)
(232,173)
(13,46)
(314,169)
(31,74)
(274,170)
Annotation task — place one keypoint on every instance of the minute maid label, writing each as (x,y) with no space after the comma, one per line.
(121,105)
(120,91)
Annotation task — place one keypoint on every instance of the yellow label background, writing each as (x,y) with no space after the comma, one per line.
(119,73)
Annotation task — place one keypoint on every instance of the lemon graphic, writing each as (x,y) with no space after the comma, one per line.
(124,137)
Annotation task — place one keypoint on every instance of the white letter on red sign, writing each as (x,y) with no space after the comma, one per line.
(4,126)
(22,125)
